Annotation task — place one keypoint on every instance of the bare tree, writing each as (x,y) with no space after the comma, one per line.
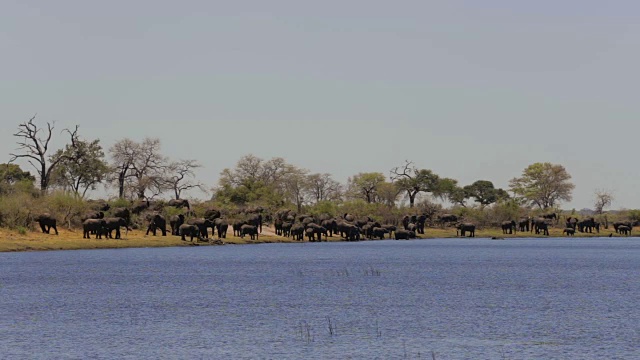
(604,198)
(123,154)
(139,166)
(295,185)
(323,187)
(34,148)
(180,175)
(148,169)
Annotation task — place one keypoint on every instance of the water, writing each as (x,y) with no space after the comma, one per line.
(454,298)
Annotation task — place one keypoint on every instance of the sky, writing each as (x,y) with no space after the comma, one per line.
(471,90)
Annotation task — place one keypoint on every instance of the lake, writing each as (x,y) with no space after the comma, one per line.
(448,299)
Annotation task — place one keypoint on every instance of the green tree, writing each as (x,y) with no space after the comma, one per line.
(412,181)
(543,185)
(365,186)
(254,180)
(82,167)
(13,178)
(485,193)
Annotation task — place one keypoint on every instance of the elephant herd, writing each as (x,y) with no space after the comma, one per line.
(288,223)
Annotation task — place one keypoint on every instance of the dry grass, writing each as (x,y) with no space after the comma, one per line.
(72,239)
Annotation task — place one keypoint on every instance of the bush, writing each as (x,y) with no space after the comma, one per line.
(18,210)
(66,207)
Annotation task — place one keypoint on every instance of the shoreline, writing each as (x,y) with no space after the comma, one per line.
(12,241)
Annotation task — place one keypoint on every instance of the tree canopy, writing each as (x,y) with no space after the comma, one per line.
(543,185)
(485,193)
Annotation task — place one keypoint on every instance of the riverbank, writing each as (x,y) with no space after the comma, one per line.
(11,240)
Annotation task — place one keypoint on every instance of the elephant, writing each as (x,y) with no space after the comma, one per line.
(540,224)
(309,232)
(175,221)
(98,205)
(463,228)
(405,235)
(277,225)
(405,221)
(297,231)
(420,222)
(255,220)
(412,227)
(140,206)
(221,227)
(236,227)
(447,219)
(508,227)
(93,226)
(390,229)
(114,223)
(307,220)
(203,225)
(250,230)
(331,225)
(569,231)
(122,213)
(587,225)
(379,232)
(179,203)
(47,222)
(349,217)
(286,228)
(212,214)
(92,215)
(367,231)
(572,222)
(157,222)
(317,230)
(624,230)
(523,224)
(617,224)
(551,217)
(349,231)
(189,230)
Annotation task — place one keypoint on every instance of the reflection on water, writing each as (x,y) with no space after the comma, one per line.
(455,298)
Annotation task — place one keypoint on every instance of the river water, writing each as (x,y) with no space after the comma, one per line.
(448,299)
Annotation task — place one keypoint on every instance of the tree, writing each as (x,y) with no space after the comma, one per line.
(254,180)
(603,199)
(413,181)
(365,185)
(82,167)
(485,193)
(123,155)
(148,169)
(322,187)
(543,185)
(181,177)
(34,148)
(387,193)
(139,166)
(295,185)
(12,177)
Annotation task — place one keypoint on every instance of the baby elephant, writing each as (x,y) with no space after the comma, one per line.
(188,230)
(250,230)
(569,231)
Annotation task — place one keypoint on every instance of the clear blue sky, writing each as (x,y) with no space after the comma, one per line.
(470,89)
